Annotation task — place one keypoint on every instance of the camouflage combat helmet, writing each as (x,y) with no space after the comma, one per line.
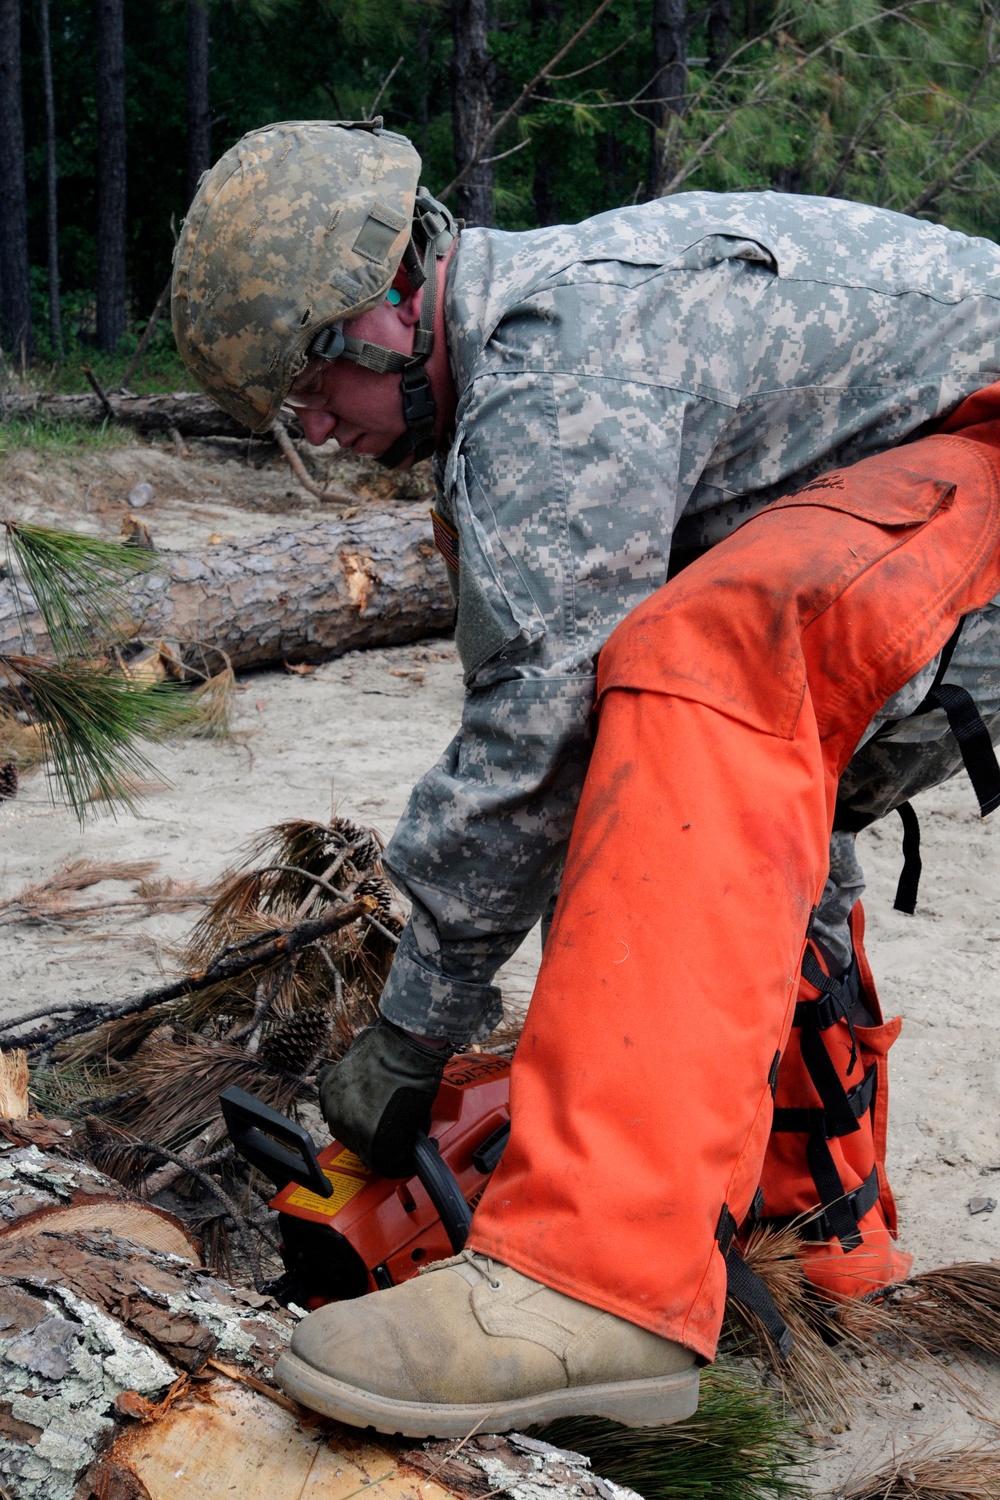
(297,228)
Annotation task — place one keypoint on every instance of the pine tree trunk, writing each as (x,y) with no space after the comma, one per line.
(314,593)
(472,106)
(110,174)
(720,22)
(199,113)
(543,185)
(51,180)
(668,89)
(15,284)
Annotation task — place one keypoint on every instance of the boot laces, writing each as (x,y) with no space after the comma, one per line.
(475,1260)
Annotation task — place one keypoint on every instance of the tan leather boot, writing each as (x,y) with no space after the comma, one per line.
(474,1345)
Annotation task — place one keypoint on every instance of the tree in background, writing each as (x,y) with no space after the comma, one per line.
(111,315)
(15,285)
(547,106)
(199,112)
(472,108)
(670,45)
(51,179)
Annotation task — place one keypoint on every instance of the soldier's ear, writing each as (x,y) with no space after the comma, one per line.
(408,307)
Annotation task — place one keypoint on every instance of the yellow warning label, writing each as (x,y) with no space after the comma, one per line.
(346,1161)
(344,1189)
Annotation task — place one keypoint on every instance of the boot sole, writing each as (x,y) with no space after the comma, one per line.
(633,1403)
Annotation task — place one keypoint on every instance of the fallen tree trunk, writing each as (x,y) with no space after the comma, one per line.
(127,1375)
(44,1193)
(310,594)
(187,412)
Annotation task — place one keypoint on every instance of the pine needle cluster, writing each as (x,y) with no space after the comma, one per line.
(741,1444)
(87,716)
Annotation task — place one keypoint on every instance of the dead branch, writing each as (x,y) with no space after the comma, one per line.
(298,468)
(515,109)
(147,334)
(929,193)
(286,943)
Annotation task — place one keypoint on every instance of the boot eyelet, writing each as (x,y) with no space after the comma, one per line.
(495,1286)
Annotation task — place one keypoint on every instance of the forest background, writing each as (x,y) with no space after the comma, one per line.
(526,112)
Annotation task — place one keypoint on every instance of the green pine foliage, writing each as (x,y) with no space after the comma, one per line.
(90,715)
(739,1445)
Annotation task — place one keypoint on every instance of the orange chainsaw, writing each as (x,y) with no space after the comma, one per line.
(345,1231)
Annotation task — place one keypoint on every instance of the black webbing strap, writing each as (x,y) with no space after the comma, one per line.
(909,875)
(842,995)
(859,1099)
(746,1287)
(856,1204)
(974,742)
(859,1202)
(837,1209)
(839,1115)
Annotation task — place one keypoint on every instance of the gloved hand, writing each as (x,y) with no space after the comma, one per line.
(380,1093)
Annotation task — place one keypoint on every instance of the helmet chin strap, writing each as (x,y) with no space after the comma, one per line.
(439,230)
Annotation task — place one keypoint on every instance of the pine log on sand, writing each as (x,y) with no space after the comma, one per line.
(127,1374)
(43,1190)
(311,594)
(187,412)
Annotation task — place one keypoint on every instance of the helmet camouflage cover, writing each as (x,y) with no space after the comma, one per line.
(299,225)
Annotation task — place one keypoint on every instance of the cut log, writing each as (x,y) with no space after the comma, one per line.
(42,1193)
(187,412)
(13,1085)
(125,1375)
(310,594)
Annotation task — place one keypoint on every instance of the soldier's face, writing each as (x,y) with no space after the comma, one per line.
(341,400)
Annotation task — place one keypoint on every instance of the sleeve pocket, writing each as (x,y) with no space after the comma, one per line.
(495,606)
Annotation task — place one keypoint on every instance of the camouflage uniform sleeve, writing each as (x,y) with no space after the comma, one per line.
(564,492)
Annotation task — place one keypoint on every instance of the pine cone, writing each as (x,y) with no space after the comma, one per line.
(8,779)
(294,1045)
(368,849)
(381,891)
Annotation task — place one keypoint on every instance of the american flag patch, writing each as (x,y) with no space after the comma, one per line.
(445,540)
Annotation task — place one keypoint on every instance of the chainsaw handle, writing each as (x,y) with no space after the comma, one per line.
(438,1181)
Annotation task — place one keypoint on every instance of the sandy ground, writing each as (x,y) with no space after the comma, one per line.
(355,735)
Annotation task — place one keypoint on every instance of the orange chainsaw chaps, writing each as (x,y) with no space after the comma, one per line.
(729,704)
(817,1166)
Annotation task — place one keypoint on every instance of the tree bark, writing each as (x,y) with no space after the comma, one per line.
(15,283)
(472,106)
(543,184)
(668,90)
(51,180)
(45,1192)
(199,114)
(310,594)
(720,20)
(149,1378)
(110,174)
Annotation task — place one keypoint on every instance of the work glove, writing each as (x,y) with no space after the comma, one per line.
(379,1095)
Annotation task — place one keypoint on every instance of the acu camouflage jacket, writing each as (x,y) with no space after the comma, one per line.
(646,379)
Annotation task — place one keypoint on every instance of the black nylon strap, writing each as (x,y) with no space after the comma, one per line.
(909,875)
(858,1203)
(974,742)
(843,993)
(746,1287)
(838,1211)
(840,1117)
(859,1099)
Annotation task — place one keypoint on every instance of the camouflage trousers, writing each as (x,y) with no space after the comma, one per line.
(903,753)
